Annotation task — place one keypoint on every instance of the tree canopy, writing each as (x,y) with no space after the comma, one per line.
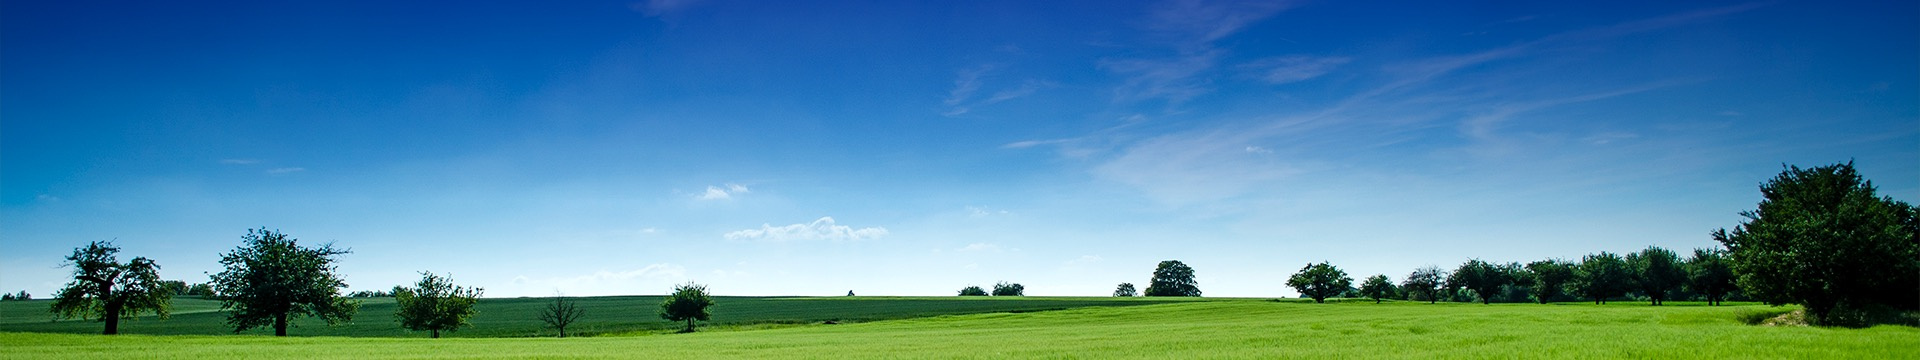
(689,302)
(1009,289)
(1709,274)
(973,290)
(269,279)
(1320,281)
(1549,277)
(1378,287)
(103,288)
(1173,278)
(1425,282)
(1601,276)
(1482,278)
(1657,271)
(1125,290)
(435,304)
(1822,238)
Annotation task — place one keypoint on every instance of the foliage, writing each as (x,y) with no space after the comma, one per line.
(1125,290)
(1482,278)
(1601,276)
(370,294)
(1009,289)
(1378,287)
(973,290)
(1709,274)
(23,295)
(269,279)
(1424,283)
(1657,271)
(435,304)
(689,302)
(104,288)
(1173,278)
(1549,277)
(1822,238)
(561,313)
(1319,281)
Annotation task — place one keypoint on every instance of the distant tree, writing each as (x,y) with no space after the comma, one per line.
(6,297)
(1549,277)
(689,302)
(1601,276)
(269,279)
(849,292)
(1480,277)
(20,296)
(561,313)
(174,287)
(1823,238)
(1173,278)
(1125,290)
(1425,282)
(1009,289)
(1709,274)
(1378,287)
(202,290)
(1319,281)
(435,304)
(1657,271)
(103,288)
(972,290)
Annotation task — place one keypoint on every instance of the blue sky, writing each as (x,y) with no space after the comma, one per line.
(811,148)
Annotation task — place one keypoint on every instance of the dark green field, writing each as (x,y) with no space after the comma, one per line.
(519,317)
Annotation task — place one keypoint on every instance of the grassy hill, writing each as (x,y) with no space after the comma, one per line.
(1233,328)
(519,317)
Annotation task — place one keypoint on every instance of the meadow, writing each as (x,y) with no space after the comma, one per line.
(1203,328)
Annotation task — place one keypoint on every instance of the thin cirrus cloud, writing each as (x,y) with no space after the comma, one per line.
(1293,68)
(968,82)
(723,192)
(821,229)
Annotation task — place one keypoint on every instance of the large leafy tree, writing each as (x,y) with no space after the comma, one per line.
(1425,282)
(1549,276)
(435,304)
(1657,272)
(689,302)
(269,279)
(1173,278)
(1709,274)
(1482,278)
(1601,276)
(104,288)
(1823,238)
(1320,281)
(1378,287)
(1125,290)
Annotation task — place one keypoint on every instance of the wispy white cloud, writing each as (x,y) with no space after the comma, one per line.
(285,170)
(722,192)
(1258,150)
(1189,28)
(1294,68)
(981,211)
(822,229)
(1032,143)
(662,7)
(961,100)
(239,161)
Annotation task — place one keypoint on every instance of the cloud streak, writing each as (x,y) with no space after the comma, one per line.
(823,228)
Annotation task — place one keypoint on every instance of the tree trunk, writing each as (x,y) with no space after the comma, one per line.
(112,317)
(436,333)
(563,331)
(280,324)
(689,324)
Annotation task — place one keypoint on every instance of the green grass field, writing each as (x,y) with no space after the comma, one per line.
(1206,328)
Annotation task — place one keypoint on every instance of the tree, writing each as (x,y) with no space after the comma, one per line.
(1709,274)
(1009,289)
(1426,282)
(561,313)
(435,304)
(1319,281)
(1657,271)
(21,296)
(1549,276)
(174,287)
(1823,238)
(104,288)
(1173,278)
(689,302)
(1480,277)
(1601,276)
(269,279)
(1125,290)
(972,290)
(1378,287)
(202,290)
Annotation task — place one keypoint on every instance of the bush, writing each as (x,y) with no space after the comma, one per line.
(1009,289)
(971,290)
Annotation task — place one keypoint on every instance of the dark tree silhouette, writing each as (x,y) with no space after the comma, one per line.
(1009,289)
(1601,276)
(1320,281)
(972,290)
(1657,271)
(1173,278)
(1823,238)
(689,302)
(1480,277)
(107,290)
(435,304)
(1125,290)
(561,313)
(1378,287)
(1549,277)
(1425,281)
(1709,274)
(270,279)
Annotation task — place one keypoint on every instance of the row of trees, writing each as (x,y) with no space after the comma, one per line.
(1001,289)
(1653,273)
(22,295)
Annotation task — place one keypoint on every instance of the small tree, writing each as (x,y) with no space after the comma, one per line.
(1125,290)
(1709,274)
(1823,238)
(1009,289)
(1426,282)
(105,289)
(1601,276)
(1482,278)
(270,279)
(1657,271)
(1173,278)
(1378,287)
(689,302)
(434,304)
(561,313)
(1319,281)
(21,296)
(202,290)
(972,290)
(1549,276)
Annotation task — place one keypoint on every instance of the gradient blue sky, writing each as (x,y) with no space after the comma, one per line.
(890,148)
